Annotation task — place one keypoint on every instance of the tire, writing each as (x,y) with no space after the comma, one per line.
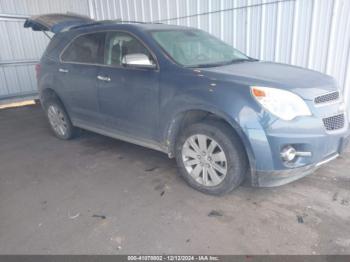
(229,148)
(59,120)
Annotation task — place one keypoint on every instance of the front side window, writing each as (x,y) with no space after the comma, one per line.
(196,48)
(86,48)
(119,44)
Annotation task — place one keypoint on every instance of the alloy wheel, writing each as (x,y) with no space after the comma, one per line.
(57,120)
(204,160)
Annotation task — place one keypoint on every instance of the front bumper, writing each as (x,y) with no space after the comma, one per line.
(282,177)
(263,178)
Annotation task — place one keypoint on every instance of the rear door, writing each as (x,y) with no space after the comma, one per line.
(56,22)
(78,69)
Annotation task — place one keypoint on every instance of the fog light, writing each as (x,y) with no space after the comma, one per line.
(288,153)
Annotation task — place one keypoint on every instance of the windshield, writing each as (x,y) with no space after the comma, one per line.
(196,48)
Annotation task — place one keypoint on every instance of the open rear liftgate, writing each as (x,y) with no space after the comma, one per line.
(56,22)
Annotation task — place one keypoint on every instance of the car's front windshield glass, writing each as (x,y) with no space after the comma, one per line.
(196,48)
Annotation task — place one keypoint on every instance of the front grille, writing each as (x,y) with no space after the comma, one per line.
(334,122)
(327,98)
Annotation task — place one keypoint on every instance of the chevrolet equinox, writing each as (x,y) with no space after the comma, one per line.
(225,117)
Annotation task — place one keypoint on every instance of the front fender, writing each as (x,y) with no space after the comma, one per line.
(231,101)
(246,135)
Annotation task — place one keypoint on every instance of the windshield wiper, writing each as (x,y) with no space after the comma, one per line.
(233,61)
(249,59)
(208,65)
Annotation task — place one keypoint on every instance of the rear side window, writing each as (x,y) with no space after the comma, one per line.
(86,48)
(53,47)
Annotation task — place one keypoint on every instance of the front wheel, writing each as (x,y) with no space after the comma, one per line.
(211,157)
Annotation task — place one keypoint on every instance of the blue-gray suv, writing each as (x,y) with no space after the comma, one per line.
(225,117)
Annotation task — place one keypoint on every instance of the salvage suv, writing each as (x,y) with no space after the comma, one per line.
(225,117)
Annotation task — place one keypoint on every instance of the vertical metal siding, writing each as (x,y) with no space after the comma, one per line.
(313,34)
(31,7)
(20,47)
(310,33)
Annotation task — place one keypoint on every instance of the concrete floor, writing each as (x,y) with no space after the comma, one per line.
(103,196)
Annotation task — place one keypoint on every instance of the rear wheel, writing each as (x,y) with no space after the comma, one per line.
(211,157)
(59,120)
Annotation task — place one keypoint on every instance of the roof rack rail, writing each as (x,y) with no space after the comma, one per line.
(129,21)
(110,22)
(90,24)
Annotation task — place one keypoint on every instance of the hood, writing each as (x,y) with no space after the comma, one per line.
(306,83)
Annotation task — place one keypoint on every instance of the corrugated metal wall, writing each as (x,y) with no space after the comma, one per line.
(20,48)
(308,33)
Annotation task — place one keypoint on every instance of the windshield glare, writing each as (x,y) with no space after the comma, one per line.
(196,48)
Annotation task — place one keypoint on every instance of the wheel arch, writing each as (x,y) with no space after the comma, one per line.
(47,94)
(191,116)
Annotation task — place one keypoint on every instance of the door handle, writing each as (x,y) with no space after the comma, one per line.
(104,78)
(62,70)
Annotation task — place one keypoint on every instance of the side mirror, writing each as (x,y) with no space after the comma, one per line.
(138,60)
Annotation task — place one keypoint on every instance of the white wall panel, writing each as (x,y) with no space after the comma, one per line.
(31,7)
(339,41)
(20,47)
(254,17)
(320,33)
(228,22)
(284,34)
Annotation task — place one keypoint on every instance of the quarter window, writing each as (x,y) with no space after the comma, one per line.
(87,48)
(119,44)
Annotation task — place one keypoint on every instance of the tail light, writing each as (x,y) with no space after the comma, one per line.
(37,70)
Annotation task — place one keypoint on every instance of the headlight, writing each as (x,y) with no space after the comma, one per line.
(283,104)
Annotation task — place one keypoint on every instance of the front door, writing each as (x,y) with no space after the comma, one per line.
(128,96)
